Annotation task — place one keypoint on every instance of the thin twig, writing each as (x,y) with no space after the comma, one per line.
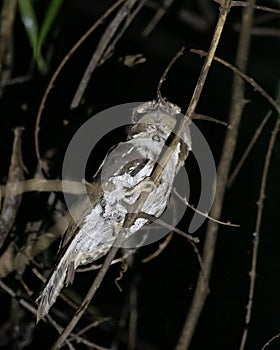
(160,249)
(170,227)
(184,200)
(59,69)
(254,7)
(211,119)
(244,76)
(166,71)
(119,35)
(236,109)
(157,17)
(270,341)
(109,33)
(239,165)
(257,232)
(133,315)
(123,270)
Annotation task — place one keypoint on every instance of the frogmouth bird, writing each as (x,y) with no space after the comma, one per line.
(117,187)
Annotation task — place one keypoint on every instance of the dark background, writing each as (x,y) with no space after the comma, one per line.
(166,284)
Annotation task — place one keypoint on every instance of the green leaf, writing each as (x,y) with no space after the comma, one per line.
(49,18)
(29,21)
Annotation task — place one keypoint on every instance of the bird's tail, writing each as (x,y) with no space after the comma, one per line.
(55,283)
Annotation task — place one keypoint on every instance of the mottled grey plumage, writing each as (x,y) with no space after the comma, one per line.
(121,176)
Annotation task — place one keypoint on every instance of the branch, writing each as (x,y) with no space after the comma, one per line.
(11,202)
(237,105)
(244,76)
(257,232)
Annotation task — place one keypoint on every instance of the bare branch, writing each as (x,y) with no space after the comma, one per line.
(244,76)
(256,235)
(11,202)
(237,105)
(184,200)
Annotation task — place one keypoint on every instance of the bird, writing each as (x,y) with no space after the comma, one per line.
(117,186)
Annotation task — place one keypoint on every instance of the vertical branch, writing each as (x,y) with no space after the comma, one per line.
(224,10)
(237,104)
(11,201)
(260,202)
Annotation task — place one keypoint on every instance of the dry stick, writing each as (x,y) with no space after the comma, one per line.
(211,119)
(248,149)
(257,232)
(160,249)
(44,185)
(184,200)
(11,202)
(166,71)
(191,239)
(133,316)
(118,36)
(238,102)
(59,69)
(270,341)
(255,7)
(241,74)
(157,17)
(100,50)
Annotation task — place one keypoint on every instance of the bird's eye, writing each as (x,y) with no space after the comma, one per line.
(156,138)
